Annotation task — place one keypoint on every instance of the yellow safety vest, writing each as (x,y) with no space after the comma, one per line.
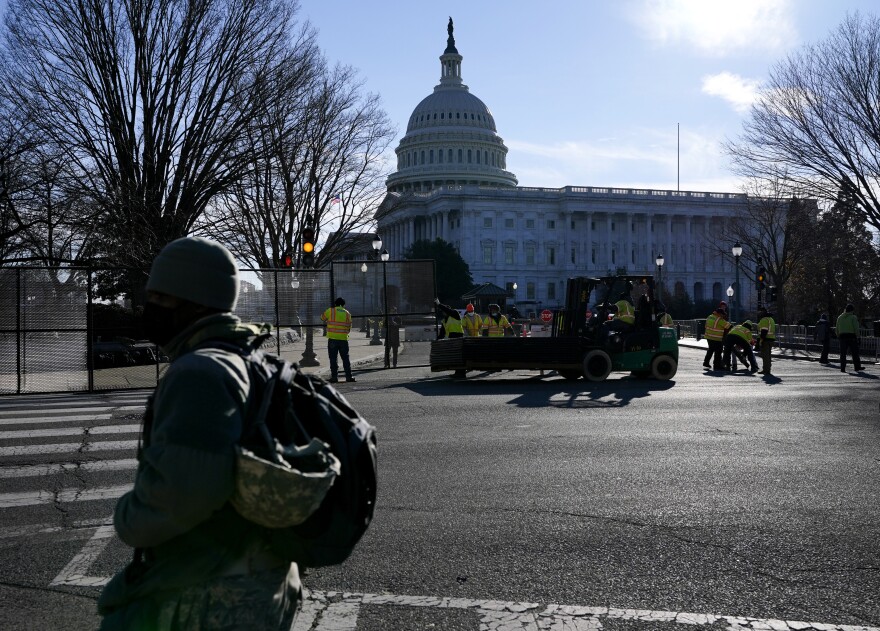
(741,331)
(496,329)
(625,312)
(452,325)
(769,324)
(338,321)
(715,326)
(471,323)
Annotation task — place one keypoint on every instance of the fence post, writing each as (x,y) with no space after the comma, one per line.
(90,360)
(18,332)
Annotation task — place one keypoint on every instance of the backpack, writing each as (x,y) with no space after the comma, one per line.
(303,406)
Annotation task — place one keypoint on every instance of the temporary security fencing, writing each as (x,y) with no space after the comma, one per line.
(56,336)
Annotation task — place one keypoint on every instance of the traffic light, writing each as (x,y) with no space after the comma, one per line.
(772,292)
(308,246)
(760,278)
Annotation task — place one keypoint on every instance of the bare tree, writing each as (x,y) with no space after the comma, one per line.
(317,159)
(15,144)
(816,122)
(775,228)
(147,101)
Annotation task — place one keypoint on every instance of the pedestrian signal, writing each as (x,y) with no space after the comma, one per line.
(287,260)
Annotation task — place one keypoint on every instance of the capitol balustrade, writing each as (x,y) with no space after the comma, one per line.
(603,191)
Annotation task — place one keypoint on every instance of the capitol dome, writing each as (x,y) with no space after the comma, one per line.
(450,138)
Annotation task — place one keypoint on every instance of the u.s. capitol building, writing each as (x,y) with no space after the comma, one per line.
(452,183)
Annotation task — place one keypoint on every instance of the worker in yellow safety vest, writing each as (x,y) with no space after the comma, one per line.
(451,324)
(624,317)
(663,316)
(716,326)
(740,336)
(766,338)
(471,323)
(495,323)
(338,321)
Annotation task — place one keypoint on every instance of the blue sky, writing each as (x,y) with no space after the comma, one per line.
(588,92)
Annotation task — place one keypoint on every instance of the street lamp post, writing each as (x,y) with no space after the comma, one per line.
(737,251)
(309,357)
(385,256)
(377,245)
(364,327)
(659,262)
(730,292)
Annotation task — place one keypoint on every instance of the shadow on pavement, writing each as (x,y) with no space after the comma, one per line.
(536,391)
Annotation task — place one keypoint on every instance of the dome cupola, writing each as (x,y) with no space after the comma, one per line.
(451,137)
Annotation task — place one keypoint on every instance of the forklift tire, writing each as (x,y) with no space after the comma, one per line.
(663,367)
(597,365)
(570,374)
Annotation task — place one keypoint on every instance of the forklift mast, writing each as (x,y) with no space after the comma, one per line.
(573,321)
(580,318)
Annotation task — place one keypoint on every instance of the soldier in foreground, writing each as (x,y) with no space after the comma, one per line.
(199,564)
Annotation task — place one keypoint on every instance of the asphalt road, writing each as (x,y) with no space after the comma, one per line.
(510,501)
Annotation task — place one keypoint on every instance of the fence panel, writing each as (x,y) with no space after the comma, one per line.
(54,337)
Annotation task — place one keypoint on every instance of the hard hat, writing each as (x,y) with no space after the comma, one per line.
(469,308)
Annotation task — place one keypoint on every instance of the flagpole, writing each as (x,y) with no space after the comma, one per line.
(678,157)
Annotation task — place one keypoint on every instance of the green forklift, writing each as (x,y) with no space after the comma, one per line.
(582,342)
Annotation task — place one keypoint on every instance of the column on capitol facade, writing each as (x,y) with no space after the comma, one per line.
(588,246)
(689,241)
(629,259)
(609,240)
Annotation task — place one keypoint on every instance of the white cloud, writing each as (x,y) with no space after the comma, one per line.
(718,27)
(738,91)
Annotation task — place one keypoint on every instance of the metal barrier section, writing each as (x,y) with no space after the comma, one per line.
(43,330)
(392,307)
(56,337)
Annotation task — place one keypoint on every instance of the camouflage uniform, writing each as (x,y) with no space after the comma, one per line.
(205,566)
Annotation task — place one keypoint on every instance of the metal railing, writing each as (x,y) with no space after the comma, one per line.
(797,337)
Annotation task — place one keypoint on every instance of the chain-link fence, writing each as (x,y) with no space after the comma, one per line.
(56,337)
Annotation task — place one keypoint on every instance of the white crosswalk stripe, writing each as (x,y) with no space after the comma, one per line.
(39,470)
(66,448)
(70,431)
(19,420)
(83,420)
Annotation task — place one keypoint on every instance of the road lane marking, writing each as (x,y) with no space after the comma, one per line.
(339,611)
(54,419)
(70,431)
(75,572)
(46,529)
(39,470)
(42,410)
(35,498)
(60,448)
